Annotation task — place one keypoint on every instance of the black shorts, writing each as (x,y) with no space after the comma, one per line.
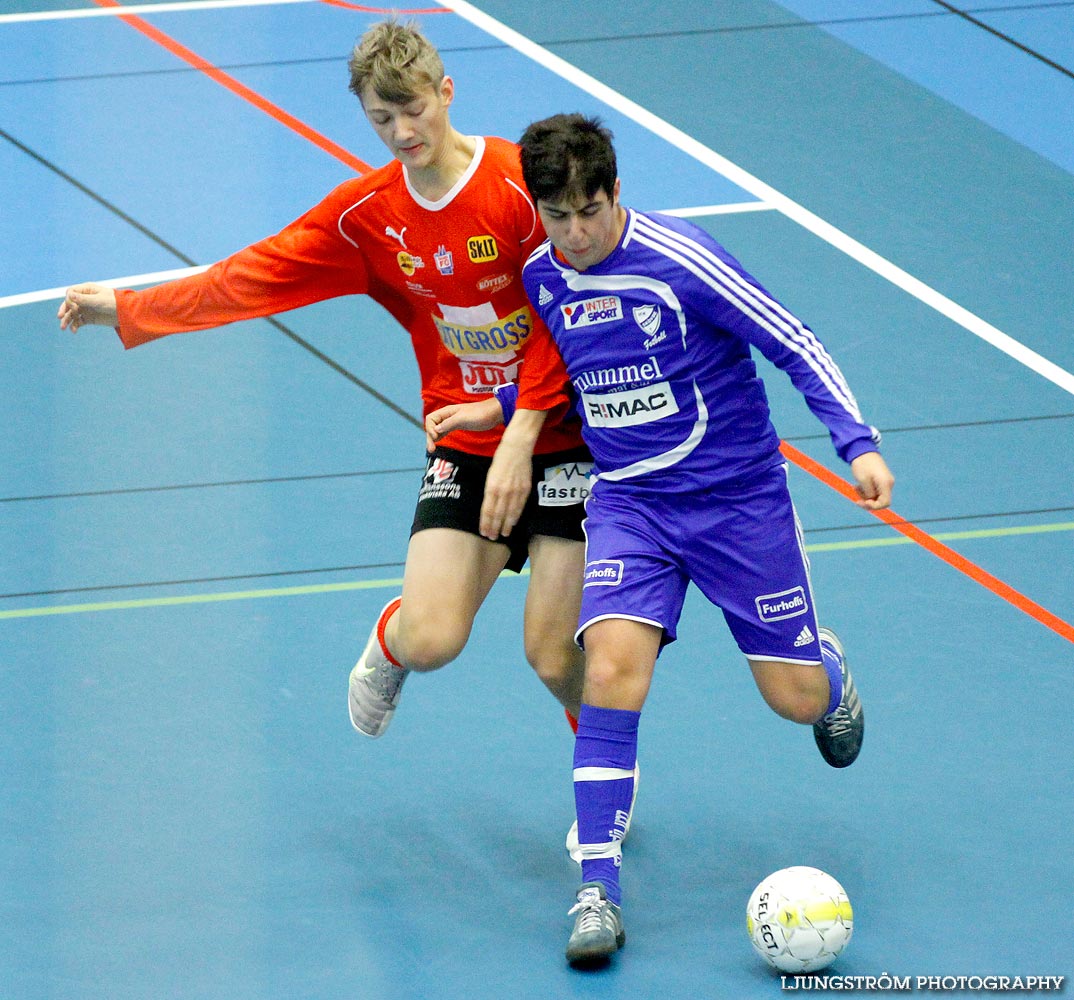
(454,486)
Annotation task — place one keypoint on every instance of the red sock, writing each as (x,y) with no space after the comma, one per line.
(571,721)
(382,623)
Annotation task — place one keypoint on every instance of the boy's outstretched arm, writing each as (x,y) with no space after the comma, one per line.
(88,305)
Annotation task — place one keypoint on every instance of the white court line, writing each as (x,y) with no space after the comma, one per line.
(153,278)
(768,195)
(142,8)
(728,209)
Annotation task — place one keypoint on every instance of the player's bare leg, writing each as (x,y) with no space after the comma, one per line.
(794,691)
(448,575)
(551,618)
(821,694)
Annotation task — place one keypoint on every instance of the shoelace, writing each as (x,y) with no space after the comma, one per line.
(841,721)
(838,723)
(592,918)
(387,680)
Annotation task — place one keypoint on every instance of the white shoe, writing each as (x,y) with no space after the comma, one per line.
(574,848)
(375,686)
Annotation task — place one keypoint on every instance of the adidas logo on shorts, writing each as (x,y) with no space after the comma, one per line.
(805,637)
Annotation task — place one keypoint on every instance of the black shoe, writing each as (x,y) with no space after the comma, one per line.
(598,927)
(839,733)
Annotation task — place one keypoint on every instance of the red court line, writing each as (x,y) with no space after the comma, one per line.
(937,548)
(239,89)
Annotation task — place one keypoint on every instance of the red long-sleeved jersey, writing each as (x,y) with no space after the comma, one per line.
(449,271)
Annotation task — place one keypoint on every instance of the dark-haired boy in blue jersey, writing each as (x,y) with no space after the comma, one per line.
(655,321)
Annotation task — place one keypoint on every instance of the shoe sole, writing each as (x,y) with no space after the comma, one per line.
(582,959)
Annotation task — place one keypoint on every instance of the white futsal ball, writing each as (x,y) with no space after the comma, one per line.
(799,919)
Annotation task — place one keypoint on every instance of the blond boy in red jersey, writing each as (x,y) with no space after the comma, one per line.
(438,237)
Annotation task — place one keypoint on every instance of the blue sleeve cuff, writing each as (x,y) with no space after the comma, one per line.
(859,446)
(507,396)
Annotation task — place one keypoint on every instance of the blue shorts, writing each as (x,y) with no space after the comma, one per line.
(741,546)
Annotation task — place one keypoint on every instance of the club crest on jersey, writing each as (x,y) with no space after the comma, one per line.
(648,318)
(603,309)
(408,263)
(482,249)
(444,261)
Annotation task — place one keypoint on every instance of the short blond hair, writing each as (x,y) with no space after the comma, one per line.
(396,60)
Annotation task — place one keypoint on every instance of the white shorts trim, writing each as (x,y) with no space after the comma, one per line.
(783,659)
(608,617)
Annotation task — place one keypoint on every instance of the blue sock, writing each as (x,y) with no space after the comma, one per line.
(834,667)
(605,751)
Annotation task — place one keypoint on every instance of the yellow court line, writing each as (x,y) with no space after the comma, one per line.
(329,588)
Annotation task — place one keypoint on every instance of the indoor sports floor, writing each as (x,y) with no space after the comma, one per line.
(195,536)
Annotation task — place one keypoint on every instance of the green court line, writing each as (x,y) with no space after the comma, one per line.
(329,588)
(234,595)
(943,536)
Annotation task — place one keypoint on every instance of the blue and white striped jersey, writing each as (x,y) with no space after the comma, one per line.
(656,340)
